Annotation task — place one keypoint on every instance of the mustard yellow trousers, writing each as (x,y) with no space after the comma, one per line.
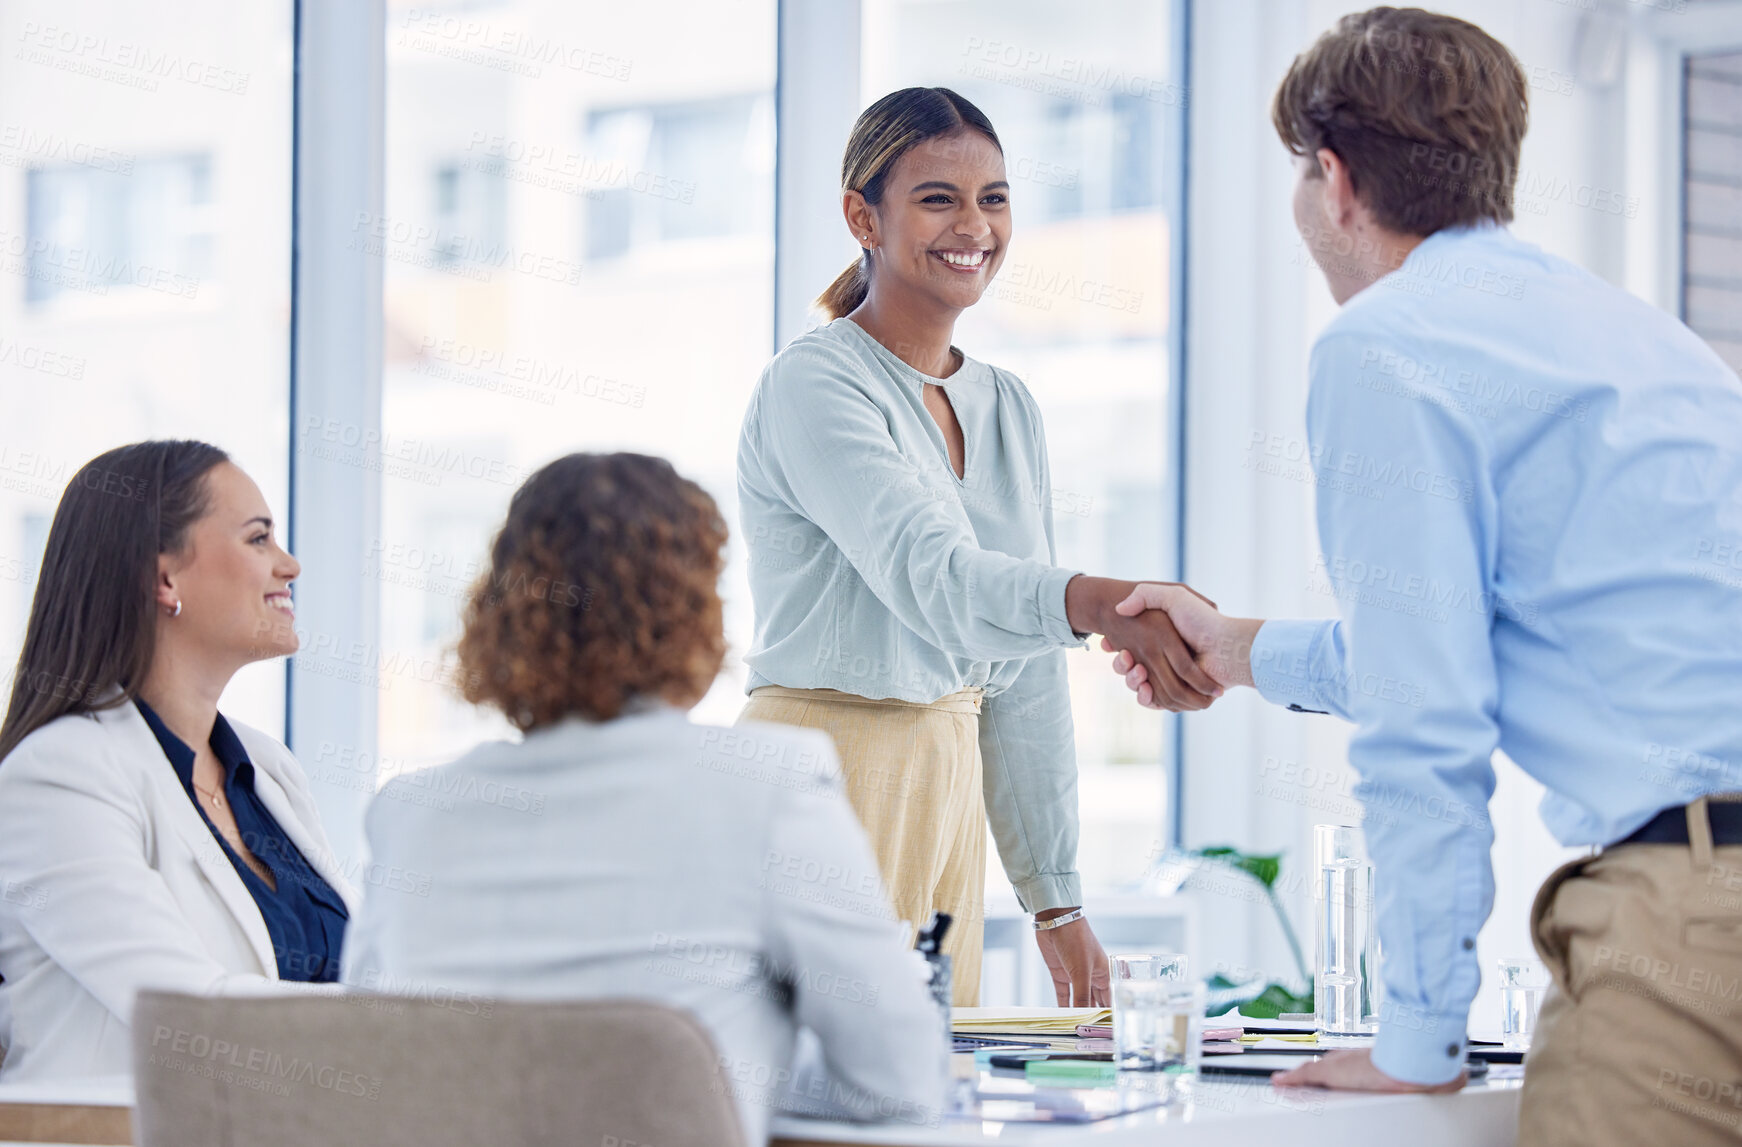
(912,774)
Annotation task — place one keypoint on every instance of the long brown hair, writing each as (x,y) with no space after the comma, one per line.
(93,620)
(883,133)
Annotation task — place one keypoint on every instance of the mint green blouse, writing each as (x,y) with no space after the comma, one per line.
(874,570)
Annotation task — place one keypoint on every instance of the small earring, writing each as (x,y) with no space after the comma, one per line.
(176,612)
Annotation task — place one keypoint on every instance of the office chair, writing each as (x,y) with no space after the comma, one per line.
(390,1071)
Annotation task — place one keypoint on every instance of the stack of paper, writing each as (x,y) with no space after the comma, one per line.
(1059,1022)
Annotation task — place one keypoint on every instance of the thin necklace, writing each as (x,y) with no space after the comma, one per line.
(217,801)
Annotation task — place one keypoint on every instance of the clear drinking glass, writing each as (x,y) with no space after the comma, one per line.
(1144,986)
(1522,983)
(1347,988)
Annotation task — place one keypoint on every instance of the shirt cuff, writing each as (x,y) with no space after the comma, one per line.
(1282,662)
(1055,624)
(1050,890)
(1418,1047)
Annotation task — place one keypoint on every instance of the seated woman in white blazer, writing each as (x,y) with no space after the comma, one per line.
(619,850)
(145,840)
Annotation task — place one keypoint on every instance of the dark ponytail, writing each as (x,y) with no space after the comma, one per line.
(883,133)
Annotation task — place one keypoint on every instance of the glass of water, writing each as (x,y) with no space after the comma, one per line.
(1347,988)
(1144,986)
(1522,983)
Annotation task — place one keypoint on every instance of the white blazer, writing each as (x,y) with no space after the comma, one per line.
(111,882)
(720,871)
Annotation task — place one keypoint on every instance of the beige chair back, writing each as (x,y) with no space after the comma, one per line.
(388,1071)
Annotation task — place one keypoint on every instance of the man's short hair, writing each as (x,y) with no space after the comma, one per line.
(1426,111)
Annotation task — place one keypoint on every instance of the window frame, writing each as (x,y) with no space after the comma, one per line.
(339,123)
(817,98)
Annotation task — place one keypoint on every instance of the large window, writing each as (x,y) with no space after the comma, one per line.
(145,175)
(578,247)
(1086,104)
(1712,225)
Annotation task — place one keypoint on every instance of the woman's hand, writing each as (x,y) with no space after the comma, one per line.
(1077,963)
(1175,680)
(1221,646)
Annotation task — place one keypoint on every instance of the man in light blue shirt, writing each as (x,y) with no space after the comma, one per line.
(1530,505)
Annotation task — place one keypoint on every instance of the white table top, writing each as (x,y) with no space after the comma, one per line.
(97,1091)
(1224,1111)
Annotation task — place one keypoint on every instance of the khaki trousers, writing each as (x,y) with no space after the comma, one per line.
(1640,1038)
(912,775)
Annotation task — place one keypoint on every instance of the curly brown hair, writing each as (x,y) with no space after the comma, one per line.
(602,587)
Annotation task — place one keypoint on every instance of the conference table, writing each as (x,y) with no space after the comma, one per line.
(1484,1114)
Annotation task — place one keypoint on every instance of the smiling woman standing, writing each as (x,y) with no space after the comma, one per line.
(896,501)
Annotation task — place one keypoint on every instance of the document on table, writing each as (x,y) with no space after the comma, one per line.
(1061,1022)
(1233,1019)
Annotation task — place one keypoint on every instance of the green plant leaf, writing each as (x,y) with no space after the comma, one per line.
(1264,869)
(1273,1001)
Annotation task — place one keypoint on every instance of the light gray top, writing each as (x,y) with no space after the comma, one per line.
(720,871)
(876,571)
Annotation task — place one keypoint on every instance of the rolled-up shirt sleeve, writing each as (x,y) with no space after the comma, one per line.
(1412,573)
(1028,747)
(828,446)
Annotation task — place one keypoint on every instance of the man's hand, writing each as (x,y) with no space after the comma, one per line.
(1220,646)
(1353,1070)
(1175,680)
(1080,977)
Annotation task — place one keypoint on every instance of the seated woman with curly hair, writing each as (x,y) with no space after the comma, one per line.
(617,850)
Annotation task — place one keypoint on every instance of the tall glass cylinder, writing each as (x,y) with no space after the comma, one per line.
(1346,983)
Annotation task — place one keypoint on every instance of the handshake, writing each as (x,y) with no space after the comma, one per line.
(1174,648)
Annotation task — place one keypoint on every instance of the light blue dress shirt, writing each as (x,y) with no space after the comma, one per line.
(1530,504)
(874,570)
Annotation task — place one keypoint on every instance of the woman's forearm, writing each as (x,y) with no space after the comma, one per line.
(1089,602)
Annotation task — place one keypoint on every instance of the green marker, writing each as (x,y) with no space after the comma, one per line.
(1070,1072)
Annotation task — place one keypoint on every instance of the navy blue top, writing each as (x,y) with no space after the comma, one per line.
(304,916)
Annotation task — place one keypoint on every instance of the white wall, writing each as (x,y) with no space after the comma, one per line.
(1603,119)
